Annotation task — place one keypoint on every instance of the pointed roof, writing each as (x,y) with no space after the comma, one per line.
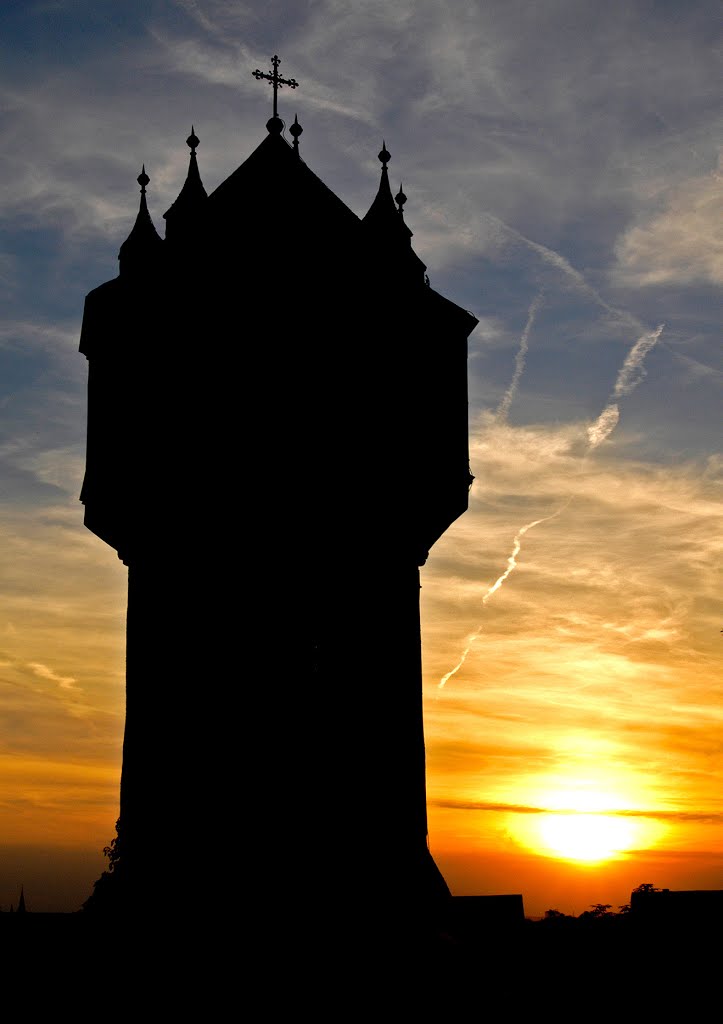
(144,241)
(274,180)
(192,196)
(21,902)
(385,219)
(383,214)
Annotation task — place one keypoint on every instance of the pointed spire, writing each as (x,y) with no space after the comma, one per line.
(191,197)
(383,214)
(144,241)
(21,902)
(392,237)
(383,205)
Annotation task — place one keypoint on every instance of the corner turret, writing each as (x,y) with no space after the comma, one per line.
(183,215)
(143,245)
(391,237)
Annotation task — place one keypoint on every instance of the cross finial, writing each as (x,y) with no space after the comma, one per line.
(275,79)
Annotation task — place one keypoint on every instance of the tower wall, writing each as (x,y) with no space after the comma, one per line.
(272,451)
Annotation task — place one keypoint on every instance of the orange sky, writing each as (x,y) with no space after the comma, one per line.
(592,683)
(593,679)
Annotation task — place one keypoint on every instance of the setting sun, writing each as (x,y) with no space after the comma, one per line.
(584,824)
(586,837)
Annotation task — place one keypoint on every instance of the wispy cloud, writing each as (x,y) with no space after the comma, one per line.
(629,376)
(43,672)
(681,243)
(699,817)
(566,269)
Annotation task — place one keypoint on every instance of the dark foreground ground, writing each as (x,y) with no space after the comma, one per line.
(215,969)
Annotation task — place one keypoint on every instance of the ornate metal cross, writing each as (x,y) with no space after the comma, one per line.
(276,80)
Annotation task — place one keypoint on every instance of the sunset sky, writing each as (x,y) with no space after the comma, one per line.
(562,166)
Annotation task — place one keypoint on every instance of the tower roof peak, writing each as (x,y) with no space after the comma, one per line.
(192,195)
(143,240)
(386,220)
(383,213)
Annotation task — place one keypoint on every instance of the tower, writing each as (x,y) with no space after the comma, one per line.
(277,435)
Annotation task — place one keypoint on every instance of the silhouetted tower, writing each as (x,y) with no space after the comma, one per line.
(277,434)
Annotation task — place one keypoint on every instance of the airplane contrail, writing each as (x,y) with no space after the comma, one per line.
(603,427)
(629,376)
(516,546)
(501,416)
(504,407)
(511,565)
(556,260)
(632,370)
(460,663)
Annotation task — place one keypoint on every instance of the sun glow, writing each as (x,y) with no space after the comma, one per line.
(585,825)
(587,837)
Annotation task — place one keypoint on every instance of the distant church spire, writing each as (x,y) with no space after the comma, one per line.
(191,197)
(143,241)
(21,902)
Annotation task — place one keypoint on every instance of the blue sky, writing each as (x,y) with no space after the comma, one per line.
(562,166)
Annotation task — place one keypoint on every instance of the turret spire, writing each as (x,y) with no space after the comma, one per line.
(191,197)
(385,218)
(144,241)
(383,214)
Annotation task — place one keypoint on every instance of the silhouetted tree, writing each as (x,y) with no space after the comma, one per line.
(646,887)
(556,920)
(597,912)
(106,896)
(113,850)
